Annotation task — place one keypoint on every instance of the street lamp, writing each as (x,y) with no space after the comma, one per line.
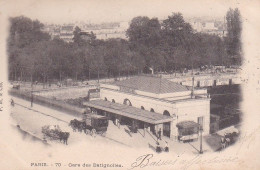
(200,129)
(32,95)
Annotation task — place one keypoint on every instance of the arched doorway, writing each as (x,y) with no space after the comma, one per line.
(127,102)
(167,125)
(105,99)
(142,107)
(152,110)
(113,101)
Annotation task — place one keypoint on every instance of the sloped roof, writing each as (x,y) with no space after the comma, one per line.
(151,84)
(129,111)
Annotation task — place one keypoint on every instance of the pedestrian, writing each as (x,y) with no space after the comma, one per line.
(12,102)
(158,148)
(166,149)
(160,134)
(118,123)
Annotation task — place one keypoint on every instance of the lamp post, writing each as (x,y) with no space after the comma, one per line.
(32,95)
(200,129)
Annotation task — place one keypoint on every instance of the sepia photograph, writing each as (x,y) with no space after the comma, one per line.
(129,84)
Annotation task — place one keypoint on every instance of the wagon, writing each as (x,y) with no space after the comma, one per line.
(51,131)
(91,124)
(188,131)
(54,133)
(96,123)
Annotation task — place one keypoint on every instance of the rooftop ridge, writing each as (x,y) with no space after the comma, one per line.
(152,84)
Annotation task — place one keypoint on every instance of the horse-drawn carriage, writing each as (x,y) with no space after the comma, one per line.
(228,136)
(91,124)
(55,133)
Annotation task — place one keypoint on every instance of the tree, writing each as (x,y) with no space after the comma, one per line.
(76,36)
(177,35)
(96,60)
(138,31)
(233,39)
(145,38)
(23,33)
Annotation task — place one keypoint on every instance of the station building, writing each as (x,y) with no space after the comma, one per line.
(154,103)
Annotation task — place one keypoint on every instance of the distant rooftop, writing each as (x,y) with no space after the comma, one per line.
(67,28)
(151,84)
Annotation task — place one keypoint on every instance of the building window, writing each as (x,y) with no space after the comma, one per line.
(113,101)
(166,125)
(166,113)
(127,102)
(142,107)
(198,83)
(230,81)
(215,83)
(152,110)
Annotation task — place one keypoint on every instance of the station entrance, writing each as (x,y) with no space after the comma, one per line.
(133,117)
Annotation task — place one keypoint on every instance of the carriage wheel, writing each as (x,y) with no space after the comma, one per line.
(93,132)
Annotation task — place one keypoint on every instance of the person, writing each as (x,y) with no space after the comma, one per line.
(160,134)
(166,147)
(12,102)
(57,127)
(119,123)
(223,142)
(52,127)
(158,148)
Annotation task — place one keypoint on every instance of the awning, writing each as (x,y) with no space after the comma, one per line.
(187,124)
(228,130)
(129,111)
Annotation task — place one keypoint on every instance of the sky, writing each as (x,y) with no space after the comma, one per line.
(97,11)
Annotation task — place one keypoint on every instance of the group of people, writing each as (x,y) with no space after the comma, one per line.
(225,141)
(158,147)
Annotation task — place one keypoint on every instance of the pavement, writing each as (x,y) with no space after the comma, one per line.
(32,119)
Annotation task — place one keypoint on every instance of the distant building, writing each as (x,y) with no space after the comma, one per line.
(86,35)
(197,26)
(210,26)
(66,33)
(213,28)
(106,31)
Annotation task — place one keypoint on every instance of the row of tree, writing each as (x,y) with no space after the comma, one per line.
(170,45)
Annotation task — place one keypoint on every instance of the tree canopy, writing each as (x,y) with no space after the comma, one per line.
(169,45)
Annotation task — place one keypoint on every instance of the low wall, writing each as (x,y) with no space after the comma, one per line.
(59,105)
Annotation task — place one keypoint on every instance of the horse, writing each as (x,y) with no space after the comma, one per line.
(74,124)
(64,137)
(78,125)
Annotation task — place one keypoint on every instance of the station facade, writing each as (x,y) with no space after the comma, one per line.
(158,95)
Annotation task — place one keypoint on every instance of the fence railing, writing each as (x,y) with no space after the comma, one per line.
(60,105)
